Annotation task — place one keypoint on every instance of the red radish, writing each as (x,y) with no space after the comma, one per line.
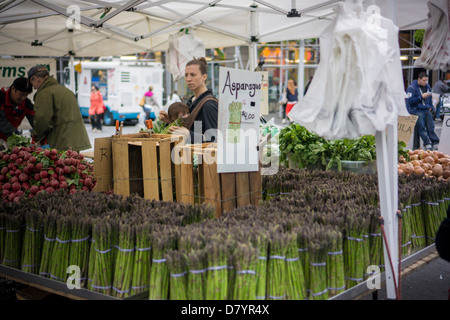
(74,154)
(37,176)
(11,196)
(6,157)
(13,157)
(49,189)
(14,179)
(59,163)
(16,186)
(18,172)
(67,169)
(47,153)
(62,178)
(15,150)
(73,161)
(38,166)
(4,170)
(54,184)
(85,188)
(19,161)
(16,199)
(25,186)
(32,159)
(43,174)
(23,177)
(63,185)
(2,177)
(67,161)
(54,152)
(7,186)
(34,189)
(72,191)
(19,193)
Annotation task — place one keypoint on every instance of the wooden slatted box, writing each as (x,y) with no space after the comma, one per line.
(225,191)
(142,165)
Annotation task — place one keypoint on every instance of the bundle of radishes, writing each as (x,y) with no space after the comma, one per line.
(429,163)
(25,171)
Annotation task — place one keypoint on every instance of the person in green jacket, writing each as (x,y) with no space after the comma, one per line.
(57,121)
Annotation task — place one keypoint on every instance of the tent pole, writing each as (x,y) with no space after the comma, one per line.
(72,73)
(387,162)
(301,69)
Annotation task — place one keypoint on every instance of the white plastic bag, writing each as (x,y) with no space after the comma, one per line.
(358,86)
(435,53)
(183,47)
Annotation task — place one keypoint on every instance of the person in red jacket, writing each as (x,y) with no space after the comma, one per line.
(14,107)
(96,109)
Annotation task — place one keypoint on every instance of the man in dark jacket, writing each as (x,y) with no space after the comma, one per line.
(58,121)
(14,107)
(420,103)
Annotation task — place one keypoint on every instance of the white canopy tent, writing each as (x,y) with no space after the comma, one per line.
(105,28)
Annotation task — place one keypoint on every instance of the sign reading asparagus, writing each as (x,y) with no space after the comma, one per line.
(238,122)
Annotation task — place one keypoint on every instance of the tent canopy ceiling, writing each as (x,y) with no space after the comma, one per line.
(104,28)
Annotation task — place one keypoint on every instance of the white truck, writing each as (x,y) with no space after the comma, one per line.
(122,84)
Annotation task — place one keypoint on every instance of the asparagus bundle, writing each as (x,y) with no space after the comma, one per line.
(245,261)
(163,241)
(335,263)
(262,243)
(176,263)
(318,249)
(418,225)
(32,242)
(79,248)
(354,243)
(276,274)
(101,273)
(376,243)
(49,229)
(142,260)
(302,244)
(60,253)
(12,255)
(295,278)
(123,271)
(196,260)
(217,252)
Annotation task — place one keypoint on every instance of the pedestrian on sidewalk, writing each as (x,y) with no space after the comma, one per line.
(419,103)
(96,109)
(440,88)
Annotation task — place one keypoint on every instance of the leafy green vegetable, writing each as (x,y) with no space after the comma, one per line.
(307,149)
(17,140)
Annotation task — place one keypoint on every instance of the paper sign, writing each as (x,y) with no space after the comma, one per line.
(444,143)
(406,127)
(264,93)
(239,118)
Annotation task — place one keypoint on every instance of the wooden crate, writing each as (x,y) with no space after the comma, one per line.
(142,165)
(224,191)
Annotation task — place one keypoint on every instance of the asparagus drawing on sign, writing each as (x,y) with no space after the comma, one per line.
(234,125)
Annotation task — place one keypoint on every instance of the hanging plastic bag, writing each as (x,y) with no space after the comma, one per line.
(435,53)
(183,47)
(358,86)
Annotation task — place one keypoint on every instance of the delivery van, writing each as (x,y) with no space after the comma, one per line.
(122,84)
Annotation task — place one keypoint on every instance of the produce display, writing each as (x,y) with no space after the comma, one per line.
(308,150)
(312,238)
(428,163)
(26,170)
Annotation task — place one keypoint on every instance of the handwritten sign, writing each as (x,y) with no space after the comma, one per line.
(444,144)
(406,127)
(238,122)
